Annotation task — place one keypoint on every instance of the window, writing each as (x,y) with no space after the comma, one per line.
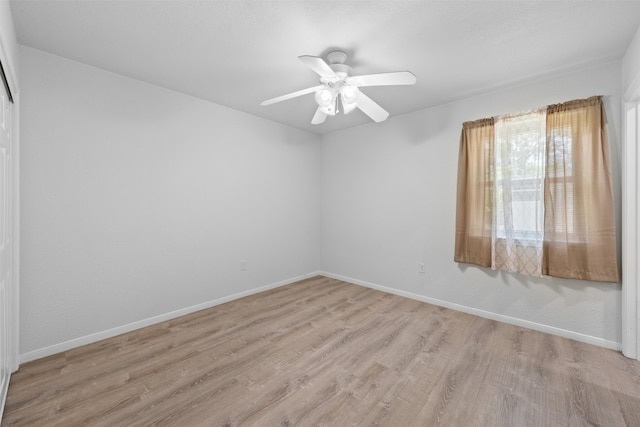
(535,194)
(519,179)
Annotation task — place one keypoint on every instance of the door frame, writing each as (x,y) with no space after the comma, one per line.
(630,222)
(13,294)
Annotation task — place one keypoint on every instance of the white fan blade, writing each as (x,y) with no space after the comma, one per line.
(291,95)
(319,117)
(319,66)
(384,79)
(371,108)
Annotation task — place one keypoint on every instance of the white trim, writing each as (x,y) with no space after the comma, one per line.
(630,223)
(98,336)
(3,397)
(9,72)
(15,236)
(482,313)
(12,287)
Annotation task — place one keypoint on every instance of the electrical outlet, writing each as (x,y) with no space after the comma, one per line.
(243,265)
(421,267)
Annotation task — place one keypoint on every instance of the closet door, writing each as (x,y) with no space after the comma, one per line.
(6,308)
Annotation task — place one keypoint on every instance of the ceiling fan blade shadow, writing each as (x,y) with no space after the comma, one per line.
(319,117)
(384,79)
(371,108)
(319,66)
(291,95)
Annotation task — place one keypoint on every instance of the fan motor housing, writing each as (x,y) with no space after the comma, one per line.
(341,70)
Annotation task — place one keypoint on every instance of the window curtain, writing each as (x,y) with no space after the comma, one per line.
(517,227)
(579,230)
(475,193)
(569,231)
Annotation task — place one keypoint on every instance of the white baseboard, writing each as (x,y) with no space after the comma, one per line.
(88,339)
(3,395)
(98,336)
(482,313)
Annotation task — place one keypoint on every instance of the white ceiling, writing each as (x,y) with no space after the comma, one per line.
(239,53)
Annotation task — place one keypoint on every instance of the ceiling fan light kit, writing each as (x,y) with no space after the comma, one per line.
(337,87)
(349,97)
(327,101)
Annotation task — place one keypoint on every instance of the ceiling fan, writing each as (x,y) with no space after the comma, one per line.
(337,87)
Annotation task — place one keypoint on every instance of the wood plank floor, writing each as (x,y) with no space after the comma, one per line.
(325,352)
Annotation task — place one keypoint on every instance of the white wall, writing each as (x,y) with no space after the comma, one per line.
(388,203)
(631,65)
(138,201)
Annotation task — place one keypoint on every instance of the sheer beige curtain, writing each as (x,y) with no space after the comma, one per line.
(519,192)
(475,193)
(579,231)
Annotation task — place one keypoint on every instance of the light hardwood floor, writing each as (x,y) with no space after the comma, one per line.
(325,352)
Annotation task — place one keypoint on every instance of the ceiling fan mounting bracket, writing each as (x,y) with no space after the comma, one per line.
(336,57)
(336,61)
